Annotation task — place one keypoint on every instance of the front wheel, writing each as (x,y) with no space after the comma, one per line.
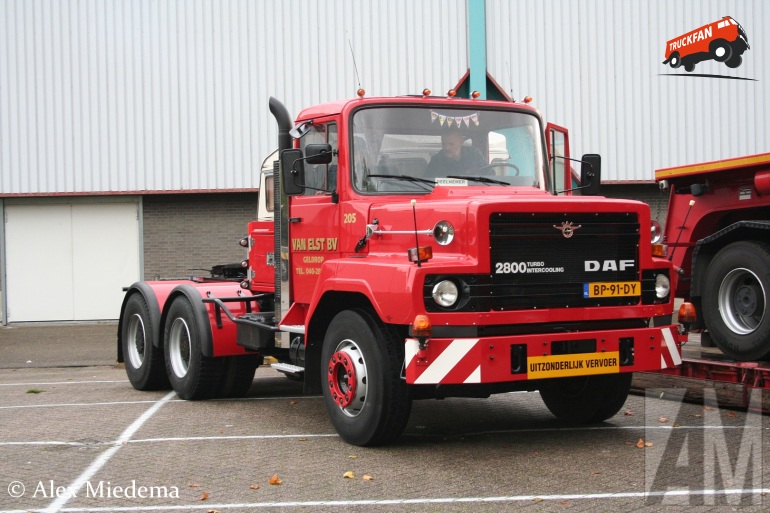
(143,361)
(586,399)
(367,401)
(735,300)
(192,375)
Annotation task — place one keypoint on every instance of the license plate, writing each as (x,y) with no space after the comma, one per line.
(612,289)
(562,366)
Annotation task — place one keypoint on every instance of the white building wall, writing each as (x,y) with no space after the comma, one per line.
(595,66)
(116,96)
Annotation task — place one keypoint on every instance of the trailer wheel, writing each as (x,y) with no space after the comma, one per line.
(586,399)
(143,361)
(367,401)
(734,61)
(192,375)
(735,300)
(238,375)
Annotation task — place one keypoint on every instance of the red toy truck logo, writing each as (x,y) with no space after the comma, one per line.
(722,40)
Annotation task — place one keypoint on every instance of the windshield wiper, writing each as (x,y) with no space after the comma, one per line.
(406,178)
(482,179)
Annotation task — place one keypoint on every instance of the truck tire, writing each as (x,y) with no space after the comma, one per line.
(674,61)
(586,399)
(367,401)
(192,375)
(143,361)
(237,375)
(720,50)
(735,295)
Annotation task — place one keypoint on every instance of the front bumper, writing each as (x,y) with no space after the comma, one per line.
(502,359)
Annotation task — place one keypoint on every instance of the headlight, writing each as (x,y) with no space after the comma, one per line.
(444,232)
(656,232)
(662,286)
(445,293)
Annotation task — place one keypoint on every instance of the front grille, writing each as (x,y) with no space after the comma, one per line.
(534,265)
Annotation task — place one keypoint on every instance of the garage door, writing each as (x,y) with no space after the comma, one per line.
(69,262)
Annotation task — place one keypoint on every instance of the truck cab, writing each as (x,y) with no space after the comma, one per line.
(426,247)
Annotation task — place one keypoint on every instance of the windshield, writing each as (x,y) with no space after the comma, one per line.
(414,149)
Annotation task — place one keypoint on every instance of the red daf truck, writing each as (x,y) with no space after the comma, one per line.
(378,284)
(723,40)
(718,234)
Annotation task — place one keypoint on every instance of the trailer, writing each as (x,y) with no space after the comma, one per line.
(718,231)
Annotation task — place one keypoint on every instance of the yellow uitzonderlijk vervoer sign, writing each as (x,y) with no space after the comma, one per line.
(561,366)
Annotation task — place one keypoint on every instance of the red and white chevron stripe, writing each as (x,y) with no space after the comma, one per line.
(457,363)
(670,355)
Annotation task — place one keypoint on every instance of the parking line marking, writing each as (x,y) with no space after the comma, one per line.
(104,457)
(150,401)
(61,383)
(438,500)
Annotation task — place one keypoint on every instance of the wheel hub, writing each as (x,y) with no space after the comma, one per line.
(746,300)
(342,379)
(347,378)
(136,341)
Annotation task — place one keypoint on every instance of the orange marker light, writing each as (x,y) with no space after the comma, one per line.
(421,254)
(475,94)
(361,93)
(527,99)
(687,313)
(421,326)
(452,93)
(426,92)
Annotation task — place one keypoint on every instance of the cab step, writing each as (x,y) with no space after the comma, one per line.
(289,369)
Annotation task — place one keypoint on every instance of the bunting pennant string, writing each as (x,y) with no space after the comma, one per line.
(457,121)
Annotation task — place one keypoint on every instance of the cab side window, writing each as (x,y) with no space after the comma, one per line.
(321,178)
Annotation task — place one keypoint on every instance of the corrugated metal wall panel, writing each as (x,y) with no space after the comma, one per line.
(132,95)
(596,67)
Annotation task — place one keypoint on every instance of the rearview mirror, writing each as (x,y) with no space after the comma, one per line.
(590,174)
(318,153)
(293,172)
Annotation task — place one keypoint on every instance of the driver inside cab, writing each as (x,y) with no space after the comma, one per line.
(454,158)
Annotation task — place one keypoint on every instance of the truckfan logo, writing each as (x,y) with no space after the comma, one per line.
(723,40)
(567,228)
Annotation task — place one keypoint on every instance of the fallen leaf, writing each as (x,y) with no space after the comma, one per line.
(661,395)
(538,499)
(677,425)
(648,444)
(367,477)
(254,487)
(663,419)
(275,480)
(564,503)
(204,496)
(629,442)
(640,443)
(708,408)
(292,402)
(731,414)
(303,439)
(595,473)
(194,485)
(349,475)
(35,391)
(213,511)
(353,456)
(628,413)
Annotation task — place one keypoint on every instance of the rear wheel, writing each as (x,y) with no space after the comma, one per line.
(192,375)
(143,361)
(587,399)
(675,61)
(237,375)
(735,300)
(367,401)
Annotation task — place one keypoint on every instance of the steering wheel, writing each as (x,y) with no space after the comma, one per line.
(504,164)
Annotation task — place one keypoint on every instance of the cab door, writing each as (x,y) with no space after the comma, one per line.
(314,217)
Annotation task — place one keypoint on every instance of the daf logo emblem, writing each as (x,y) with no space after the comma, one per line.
(567,228)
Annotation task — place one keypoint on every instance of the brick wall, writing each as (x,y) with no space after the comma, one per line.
(648,193)
(183,232)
